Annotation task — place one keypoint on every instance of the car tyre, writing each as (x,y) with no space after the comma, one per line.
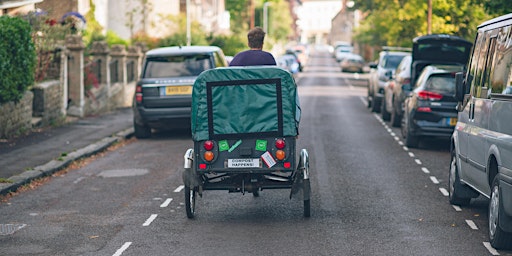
(385,114)
(498,237)
(141,131)
(410,140)
(457,192)
(376,106)
(395,118)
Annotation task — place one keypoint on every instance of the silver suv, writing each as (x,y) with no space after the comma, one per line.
(381,72)
(163,96)
(482,140)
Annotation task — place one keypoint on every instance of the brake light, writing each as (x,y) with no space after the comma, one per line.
(208,156)
(423,109)
(208,145)
(280,144)
(202,166)
(138,94)
(280,155)
(426,95)
(391,84)
(287,165)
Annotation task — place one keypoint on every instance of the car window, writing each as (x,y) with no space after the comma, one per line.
(501,72)
(175,66)
(392,61)
(441,83)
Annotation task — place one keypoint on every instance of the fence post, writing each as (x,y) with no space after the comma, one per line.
(75,80)
(134,57)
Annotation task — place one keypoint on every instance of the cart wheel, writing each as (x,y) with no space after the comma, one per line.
(190,201)
(307,201)
(256,193)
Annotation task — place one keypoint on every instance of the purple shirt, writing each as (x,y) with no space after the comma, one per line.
(253,58)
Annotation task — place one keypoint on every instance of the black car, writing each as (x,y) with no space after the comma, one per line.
(163,96)
(430,110)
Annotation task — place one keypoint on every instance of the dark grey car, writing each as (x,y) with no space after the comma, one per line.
(163,94)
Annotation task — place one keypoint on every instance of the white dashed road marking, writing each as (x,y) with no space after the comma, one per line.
(457,208)
(122,249)
(166,203)
(434,180)
(425,170)
(490,249)
(444,191)
(178,189)
(149,220)
(471,224)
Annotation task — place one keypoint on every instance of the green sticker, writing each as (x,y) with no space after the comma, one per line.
(223,145)
(235,145)
(261,145)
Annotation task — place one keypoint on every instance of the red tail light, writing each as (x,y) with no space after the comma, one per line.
(280,144)
(138,94)
(423,109)
(426,95)
(208,145)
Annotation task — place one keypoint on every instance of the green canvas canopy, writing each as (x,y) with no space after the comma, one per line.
(234,102)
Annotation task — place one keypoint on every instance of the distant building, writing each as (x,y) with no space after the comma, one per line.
(14,7)
(315,18)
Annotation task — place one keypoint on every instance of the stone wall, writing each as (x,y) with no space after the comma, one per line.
(16,118)
(48,103)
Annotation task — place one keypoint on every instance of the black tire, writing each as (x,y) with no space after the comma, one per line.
(385,114)
(256,193)
(369,100)
(307,196)
(141,131)
(190,202)
(411,141)
(395,119)
(376,106)
(499,239)
(457,192)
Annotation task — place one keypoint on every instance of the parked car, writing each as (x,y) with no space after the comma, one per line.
(430,108)
(481,145)
(163,94)
(395,92)
(352,63)
(427,50)
(289,62)
(380,73)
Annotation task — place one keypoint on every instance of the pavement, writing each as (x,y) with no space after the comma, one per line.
(47,150)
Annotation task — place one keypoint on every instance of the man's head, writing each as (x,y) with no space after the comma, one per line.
(255,38)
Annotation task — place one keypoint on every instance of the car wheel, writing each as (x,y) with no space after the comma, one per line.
(410,140)
(141,131)
(376,106)
(395,118)
(456,189)
(369,100)
(385,114)
(499,239)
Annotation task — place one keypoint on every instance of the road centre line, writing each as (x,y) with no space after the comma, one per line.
(166,203)
(444,191)
(434,179)
(178,189)
(491,249)
(471,224)
(149,220)
(411,154)
(425,170)
(417,161)
(122,249)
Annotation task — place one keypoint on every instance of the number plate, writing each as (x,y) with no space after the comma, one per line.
(452,121)
(244,163)
(178,90)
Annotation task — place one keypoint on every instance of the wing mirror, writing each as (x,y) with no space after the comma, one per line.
(460,85)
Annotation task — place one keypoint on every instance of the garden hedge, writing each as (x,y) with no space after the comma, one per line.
(17,58)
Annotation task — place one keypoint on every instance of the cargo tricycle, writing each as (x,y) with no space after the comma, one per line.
(245,123)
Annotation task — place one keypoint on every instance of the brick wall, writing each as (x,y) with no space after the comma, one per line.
(57,8)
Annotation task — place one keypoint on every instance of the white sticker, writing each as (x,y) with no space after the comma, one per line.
(268,159)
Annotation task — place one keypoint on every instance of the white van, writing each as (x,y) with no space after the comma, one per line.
(482,140)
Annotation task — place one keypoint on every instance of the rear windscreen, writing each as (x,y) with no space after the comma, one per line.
(445,52)
(175,66)
(442,83)
(248,107)
(392,61)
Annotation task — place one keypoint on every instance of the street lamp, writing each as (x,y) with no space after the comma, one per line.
(265,16)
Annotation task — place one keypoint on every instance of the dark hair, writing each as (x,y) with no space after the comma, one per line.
(255,37)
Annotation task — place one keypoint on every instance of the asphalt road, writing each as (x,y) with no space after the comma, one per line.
(370,195)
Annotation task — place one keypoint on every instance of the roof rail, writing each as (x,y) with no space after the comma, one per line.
(396,48)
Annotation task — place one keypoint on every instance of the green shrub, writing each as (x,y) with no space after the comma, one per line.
(17,58)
